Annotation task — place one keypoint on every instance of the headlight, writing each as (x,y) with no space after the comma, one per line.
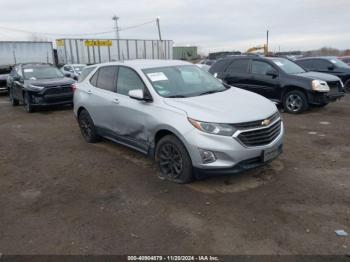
(320,86)
(213,128)
(37,88)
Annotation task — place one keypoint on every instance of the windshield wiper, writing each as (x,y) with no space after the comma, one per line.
(211,92)
(176,96)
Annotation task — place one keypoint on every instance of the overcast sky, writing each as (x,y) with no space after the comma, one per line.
(211,25)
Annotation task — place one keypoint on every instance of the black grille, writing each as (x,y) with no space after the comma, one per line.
(334,87)
(55,90)
(256,124)
(262,136)
(3,83)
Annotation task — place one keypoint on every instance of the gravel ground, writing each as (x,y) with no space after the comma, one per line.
(60,195)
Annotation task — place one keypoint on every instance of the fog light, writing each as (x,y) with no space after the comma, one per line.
(207,156)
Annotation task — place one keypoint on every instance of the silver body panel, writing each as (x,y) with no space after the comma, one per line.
(137,122)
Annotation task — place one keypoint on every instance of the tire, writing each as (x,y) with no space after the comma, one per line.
(173,160)
(87,127)
(13,101)
(295,102)
(27,103)
(347,86)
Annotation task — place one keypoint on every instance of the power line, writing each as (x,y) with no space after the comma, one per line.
(85,34)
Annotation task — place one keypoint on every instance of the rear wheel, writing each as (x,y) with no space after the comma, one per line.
(295,102)
(27,103)
(173,160)
(13,101)
(87,127)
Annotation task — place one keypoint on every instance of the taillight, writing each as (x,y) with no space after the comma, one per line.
(74,86)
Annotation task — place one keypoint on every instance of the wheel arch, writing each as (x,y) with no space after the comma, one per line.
(291,88)
(162,132)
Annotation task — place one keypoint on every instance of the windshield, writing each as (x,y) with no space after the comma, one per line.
(183,81)
(42,72)
(288,66)
(338,63)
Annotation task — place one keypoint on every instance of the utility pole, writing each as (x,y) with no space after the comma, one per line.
(160,38)
(116,18)
(158,25)
(267,43)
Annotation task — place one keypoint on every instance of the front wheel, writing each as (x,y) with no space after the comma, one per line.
(27,103)
(173,160)
(347,86)
(13,101)
(295,102)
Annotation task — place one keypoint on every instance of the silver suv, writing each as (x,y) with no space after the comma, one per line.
(184,118)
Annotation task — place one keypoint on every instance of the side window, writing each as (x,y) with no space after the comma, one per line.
(106,78)
(308,64)
(239,66)
(68,68)
(93,79)
(219,66)
(128,80)
(260,67)
(85,73)
(322,64)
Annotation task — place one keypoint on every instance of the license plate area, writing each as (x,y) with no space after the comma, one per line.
(270,153)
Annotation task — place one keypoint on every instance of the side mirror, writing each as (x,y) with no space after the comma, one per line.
(67,75)
(272,73)
(331,67)
(136,94)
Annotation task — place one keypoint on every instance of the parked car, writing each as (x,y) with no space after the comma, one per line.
(3,83)
(4,73)
(279,80)
(38,85)
(72,70)
(180,115)
(345,59)
(329,65)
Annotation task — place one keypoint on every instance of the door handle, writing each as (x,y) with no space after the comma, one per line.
(89,92)
(116,101)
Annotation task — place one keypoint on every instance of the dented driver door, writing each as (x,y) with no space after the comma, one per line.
(132,118)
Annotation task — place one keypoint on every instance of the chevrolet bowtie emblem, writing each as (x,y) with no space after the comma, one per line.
(266,122)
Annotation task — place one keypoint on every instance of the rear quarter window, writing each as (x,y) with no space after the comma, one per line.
(85,73)
(239,66)
(219,66)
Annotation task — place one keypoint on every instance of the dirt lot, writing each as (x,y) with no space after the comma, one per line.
(60,195)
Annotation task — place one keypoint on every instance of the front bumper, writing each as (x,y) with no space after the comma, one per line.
(318,98)
(42,99)
(231,155)
(240,167)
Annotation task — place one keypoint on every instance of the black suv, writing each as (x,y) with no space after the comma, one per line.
(280,80)
(39,85)
(329,65)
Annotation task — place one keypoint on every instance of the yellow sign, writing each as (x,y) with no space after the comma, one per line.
(60,42)
(98,42)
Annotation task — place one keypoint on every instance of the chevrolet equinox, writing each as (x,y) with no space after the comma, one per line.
(184,118)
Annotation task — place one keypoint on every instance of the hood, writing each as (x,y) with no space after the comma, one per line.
(232,106)
(51,82)
(318,76)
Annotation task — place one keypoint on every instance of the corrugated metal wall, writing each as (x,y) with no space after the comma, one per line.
(12,52)
(91,51)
